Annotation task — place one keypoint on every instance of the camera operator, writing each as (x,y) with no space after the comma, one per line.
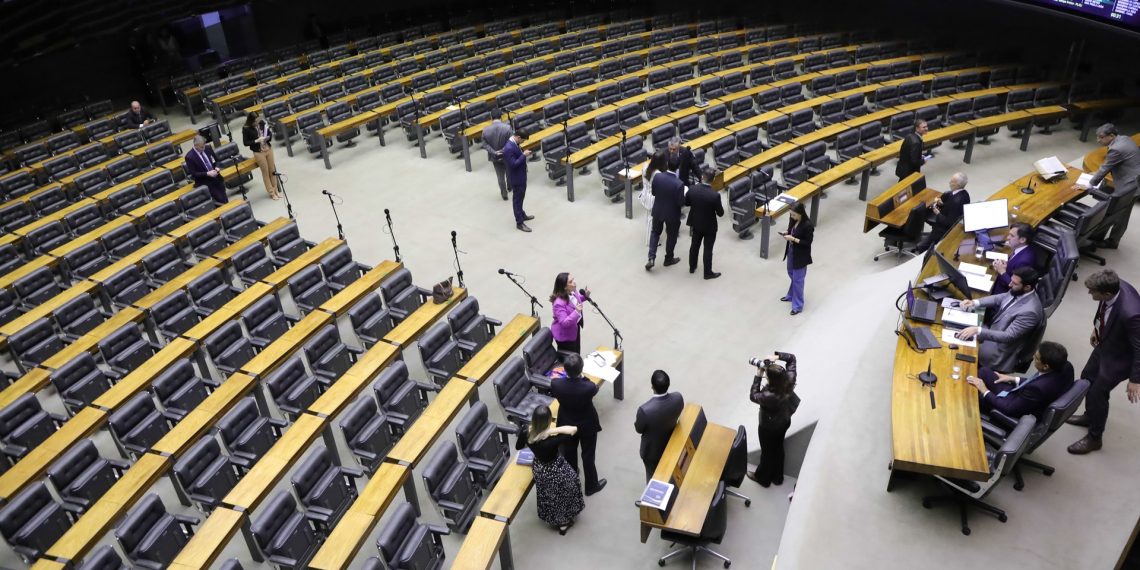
(774,389)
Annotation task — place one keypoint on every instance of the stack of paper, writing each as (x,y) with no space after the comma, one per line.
(657,494)
(1084,181)
(959,319)
(949,338)
(968,268)
(979,282)
(995,255)
(1050,168)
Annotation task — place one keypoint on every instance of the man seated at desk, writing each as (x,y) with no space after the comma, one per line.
(947,211)
(1016,397)
(137,117)
(1016,315)
(1021,254)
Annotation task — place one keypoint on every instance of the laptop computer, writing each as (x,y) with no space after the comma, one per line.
(920,310)
(923,337)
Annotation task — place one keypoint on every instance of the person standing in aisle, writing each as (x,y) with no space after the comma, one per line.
(797,252)
(704,208)
(556,484)
(255,135)
(566,303)
(778,401)
(515,158)
(575,395)
(495,137)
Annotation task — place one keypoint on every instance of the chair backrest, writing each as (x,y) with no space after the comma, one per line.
(737,465)
(399,527)
(539,352)
(132,413)
(389,381)
(1015,444)
(197,459)
(1059,411)
(73,463)
(511,384)
(141,520)
(273,518)
(915,222)
(716,521)
(75,371)
(438,467)
(288,374)
(103,558)
(23,510)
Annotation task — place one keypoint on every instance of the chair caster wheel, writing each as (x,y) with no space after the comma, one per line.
(748,503)
(1018,486)
(926,504)
(660,562)
(1048,472)
(727,564)
(1002,517)
(966,530)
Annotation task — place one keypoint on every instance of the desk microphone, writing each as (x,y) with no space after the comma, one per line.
(505,272)
(1029,188)
(453,238)
(585,294)
(927,378)
(326,193)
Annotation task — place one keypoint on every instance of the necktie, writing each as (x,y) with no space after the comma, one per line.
(205,160)
(1004,306)
(1098,321)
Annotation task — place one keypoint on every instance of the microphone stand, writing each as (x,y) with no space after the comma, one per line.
(534,304)
(241,187)
(391,232)
(281,187)
(617,334)
(458,267)
(339,228)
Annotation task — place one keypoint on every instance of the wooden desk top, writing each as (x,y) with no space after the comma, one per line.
(1048,197)
(140,378)
(506,498)
(185,229)
(820,134)
(258,235)
(33,381)
(52,217)
(340,303)
(1094,159)
(416,442)
(259,481)
(799,193)
(179,282)
(90,341)
(47,307)
(1001,120)
(283,347)
(345,389)
(897,218)
(210,539)
(416,323)
(509,339)
(231,310)
(203,417)
(481,545)
(841,171)
(90,528)
(344,542)
(808,104)
(175,139)
(38,459)
(747,165)
(882,154)
(694,497)
(381,489)
(280,277)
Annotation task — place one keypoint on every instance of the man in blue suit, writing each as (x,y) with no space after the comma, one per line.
(668,198)
(1021,254)
(515,158)
(203,167)
(1016,397)
(575,396)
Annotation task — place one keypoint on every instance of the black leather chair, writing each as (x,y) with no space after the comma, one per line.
(36,287)
(401,398)
(408,544)
(439,353)
(173,315)
(998,426)
(82,476)
(367,433)
(126,286)
(251,264)
(452,488)
(515,392)
(737,465)
(266,321)
(328,356)
(292,387)
(179,389)
(485,445)
(206,474)
(164,264)
(370,319)
(470,329)
(79,382)
(33,344)
(286,243)
(229,348)
(325,489)
(540,357)
(401,296)
(211,291)
(103,558)
(340,269)
(238,222)
(247,434)
(206,239)
(151,536)
(713,530)
(137,425)
(309,289)
(967,494)
(904,238)
(195,203)
(33,522)
(24,425)
(84,219)
(284,534)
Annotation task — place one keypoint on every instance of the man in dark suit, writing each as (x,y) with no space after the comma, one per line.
(516,157)
(203,167)
(704,207)
(1016,397)
(688,170)
(656,419)
(1021,254)
(138,117)
(1014,318)
(1122,160)
(947,210)
(1116,353)
(910,155)
(575,396)
(668,197)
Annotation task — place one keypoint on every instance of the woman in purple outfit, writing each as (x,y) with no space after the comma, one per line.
(567,306)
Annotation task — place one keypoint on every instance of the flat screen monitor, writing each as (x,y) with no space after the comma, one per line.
(956,278)
(1123,13)
(978,216)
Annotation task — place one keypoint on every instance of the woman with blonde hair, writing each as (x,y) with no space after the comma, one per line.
(558,490)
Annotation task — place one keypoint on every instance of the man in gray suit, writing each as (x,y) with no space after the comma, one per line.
(1123,161)
(494,139)
(1017,314)
(656,419)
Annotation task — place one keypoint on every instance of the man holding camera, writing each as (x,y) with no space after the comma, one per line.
(774,389)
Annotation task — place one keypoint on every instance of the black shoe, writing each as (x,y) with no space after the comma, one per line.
(601,485)
(672,261)
(713,275)
(504,195)
(528,218)
(752,475)
(1085,445)
(786,299)
(692,270)
(796,312)
(649,265)
(778,482)
(523,228)
(1080,421)
(1106,244)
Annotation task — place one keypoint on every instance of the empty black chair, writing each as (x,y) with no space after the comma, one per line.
(401,398)
(778,130)
(329,357)
(126,286)
(285,534)
(367,433)
(122,241)
(228,348)
(689,127)
(125,349)
(370,320)
(61,166)
(406,543)
(17,184)
(471,329)
(195,203)
(151,536)
(439,353)
(339,269)
(16,215)
(265,321)
(792,169)
(48,201)
(815,157)
(871,136)
(724,152)
(485,445)
(173,315)
(137,425)
(748,142)
(286,243)
(742,108)
(630,115)
(211,291)
(944,85)
(452,488)
(248,434)
(736,467)
(33,344)
(33,522)
(607,124)
(163,264)
(126,199)
(682,98)
(515,392)
(831,112)
(205,473)
(206,239)
(82,476)
(164,218)
(46,238)
(847,144)
(179,389)
(24,425)
(401,295)
(716,117)
(238,222)
(79,316)
(325,489)
(9,309)
(292,387)
(36,287)
(161,154)
(309,289)
(9,258)
(742,202)
(122,169)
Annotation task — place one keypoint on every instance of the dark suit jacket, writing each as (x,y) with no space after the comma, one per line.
(801,252)
(910,156)
(198,172)
(1027,257)
(951,210)
(135,119)
(1117,356)
(689,171)
(655,421)
(576,403)
(668,196)
(704,207)
(516,165)
(1028,398)
(249,136)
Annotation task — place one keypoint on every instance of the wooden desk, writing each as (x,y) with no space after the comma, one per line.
(259,235)
(184,230)
(821,134)
(259,481)
(90,528)
(747,165)
(230,311)
(90,341)
(283,347)
(340,303)
(278,278)
(381,489)
(210,539)
(180,282)
(897,218)
(203,417)
(416,323)
(894,197)
(484,538)
(345,389)
(344,542)
(498,349)
(506,498)
(416,442)
(140,378)
(39,458)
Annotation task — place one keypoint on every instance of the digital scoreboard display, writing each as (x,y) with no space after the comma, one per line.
(1124,13)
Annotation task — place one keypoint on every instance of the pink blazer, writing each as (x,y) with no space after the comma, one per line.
(566,318)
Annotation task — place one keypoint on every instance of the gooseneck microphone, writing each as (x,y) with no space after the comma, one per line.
(505,272)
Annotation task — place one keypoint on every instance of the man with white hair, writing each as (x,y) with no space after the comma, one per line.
(947,210)
(689,170)
(138,117)
(1123,161)
(202,164)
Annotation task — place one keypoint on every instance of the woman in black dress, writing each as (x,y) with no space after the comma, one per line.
(778,401)
(556,485)
(255,135)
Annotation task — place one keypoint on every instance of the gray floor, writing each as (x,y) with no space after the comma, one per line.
(702,333)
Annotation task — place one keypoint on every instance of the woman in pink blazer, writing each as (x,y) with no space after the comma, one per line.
(567,305)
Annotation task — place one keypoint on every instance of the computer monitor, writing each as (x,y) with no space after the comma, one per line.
(956,278)
(981,216)
(909,297)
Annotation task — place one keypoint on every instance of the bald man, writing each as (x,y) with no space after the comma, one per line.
(947,210)
(138,117)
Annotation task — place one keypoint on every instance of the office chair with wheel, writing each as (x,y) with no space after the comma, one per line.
(716,523)
(908,235)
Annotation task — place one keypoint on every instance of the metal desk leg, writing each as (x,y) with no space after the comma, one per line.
(765,230)
(569,182)
(190,111)
(324,150)
(506,561)
(628,198)
(864,182)
(1086,126)
(466,153)
(619,383)
(410,493)
(330,443)
(815,208)
(288,139)
(970,148)
(1025,136)
(420,140)
(380,131)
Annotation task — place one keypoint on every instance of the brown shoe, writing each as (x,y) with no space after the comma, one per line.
(1087,444)
(1080,421)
